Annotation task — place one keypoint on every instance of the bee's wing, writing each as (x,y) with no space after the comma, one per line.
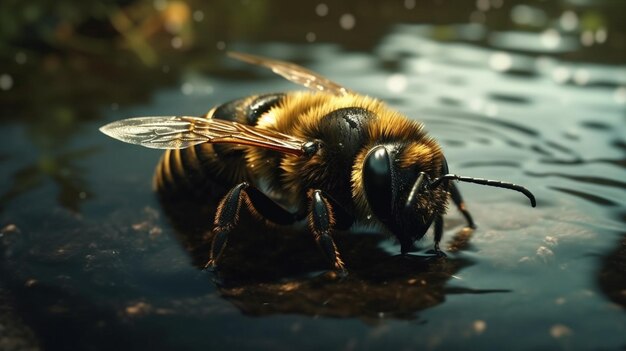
(179,132)
(294,73)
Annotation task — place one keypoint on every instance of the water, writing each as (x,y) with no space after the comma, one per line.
(91,259)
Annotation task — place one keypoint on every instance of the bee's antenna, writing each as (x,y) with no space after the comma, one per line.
(495,183)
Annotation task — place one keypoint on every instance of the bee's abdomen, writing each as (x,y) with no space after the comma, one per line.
(206,169)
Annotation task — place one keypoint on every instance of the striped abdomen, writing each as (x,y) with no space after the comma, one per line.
(207,169)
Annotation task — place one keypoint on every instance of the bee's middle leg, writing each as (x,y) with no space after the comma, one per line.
(324,217)
(227,215)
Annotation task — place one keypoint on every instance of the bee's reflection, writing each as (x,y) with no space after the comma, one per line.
(269,270)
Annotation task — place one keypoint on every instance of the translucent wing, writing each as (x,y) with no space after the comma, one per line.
(294,73)
(179,132)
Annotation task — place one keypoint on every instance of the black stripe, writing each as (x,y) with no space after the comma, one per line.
(193,169)
(260,105)
(247,110)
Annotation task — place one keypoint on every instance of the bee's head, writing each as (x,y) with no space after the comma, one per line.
(398,189)
(406,187)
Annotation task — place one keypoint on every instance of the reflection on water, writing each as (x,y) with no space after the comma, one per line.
(68,177)
(531,93)
(270,272)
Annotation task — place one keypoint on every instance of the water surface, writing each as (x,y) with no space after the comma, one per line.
(92,259)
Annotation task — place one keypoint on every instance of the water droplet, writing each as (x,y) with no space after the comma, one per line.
(558,331)
(550,38)
(220,45)
(187,88)
(6,82)
(550,240)
(479,326)
(310,37)
(409,4)
(177,42)
(561,74)
(82,195)
(581,76)
(569,20)
(321,9)
(198,16)
(397,83)
(544,253)
(10,228)
(347,21)
(501,61)
(586,38)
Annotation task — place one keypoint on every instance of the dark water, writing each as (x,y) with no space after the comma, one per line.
(92,260)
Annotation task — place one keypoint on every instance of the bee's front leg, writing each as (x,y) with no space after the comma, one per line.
(227,215)
(322,221)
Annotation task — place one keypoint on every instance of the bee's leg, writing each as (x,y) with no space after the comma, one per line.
(322,221)
(460,204)
(227,215)
(439,235)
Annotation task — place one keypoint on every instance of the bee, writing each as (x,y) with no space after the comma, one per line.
(329,156)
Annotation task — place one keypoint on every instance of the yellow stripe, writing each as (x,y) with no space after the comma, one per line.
(157,180)
(167,172)
(178,164)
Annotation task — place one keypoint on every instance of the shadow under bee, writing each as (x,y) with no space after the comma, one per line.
(276,270)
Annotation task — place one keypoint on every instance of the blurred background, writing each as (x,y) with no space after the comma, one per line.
(527,91)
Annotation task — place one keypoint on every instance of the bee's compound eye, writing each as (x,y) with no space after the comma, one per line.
(378,162)
(378,182)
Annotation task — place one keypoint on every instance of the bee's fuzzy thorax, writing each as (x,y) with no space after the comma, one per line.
(301,113)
